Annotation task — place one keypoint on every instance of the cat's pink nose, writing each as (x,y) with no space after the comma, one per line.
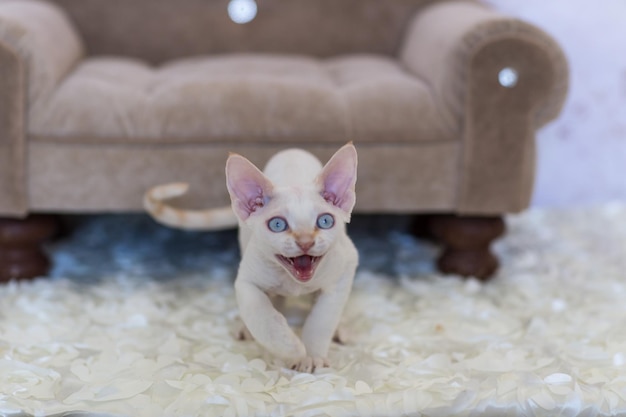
(305,245)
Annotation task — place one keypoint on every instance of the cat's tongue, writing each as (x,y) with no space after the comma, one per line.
(304,267)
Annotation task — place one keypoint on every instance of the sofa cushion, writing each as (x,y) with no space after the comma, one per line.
(242,97)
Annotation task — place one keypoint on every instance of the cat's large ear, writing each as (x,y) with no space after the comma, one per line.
(338,179)
(249,189)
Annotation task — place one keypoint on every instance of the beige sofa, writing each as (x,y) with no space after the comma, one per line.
(101,99)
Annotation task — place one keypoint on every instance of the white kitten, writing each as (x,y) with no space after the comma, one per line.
(293,242)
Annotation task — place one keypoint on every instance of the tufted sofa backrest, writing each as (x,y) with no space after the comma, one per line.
(160,30)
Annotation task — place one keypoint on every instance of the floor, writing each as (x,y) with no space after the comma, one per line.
(138,319)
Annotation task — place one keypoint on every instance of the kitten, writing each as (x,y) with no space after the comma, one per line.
(292,233)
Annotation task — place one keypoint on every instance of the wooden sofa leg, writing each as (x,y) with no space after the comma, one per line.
(420,227)
(466,244)
(21,252)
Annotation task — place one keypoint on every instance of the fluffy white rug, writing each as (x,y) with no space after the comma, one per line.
(137,320)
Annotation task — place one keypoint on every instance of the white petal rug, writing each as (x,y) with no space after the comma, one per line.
(137,320)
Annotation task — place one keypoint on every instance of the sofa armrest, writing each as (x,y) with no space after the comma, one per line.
(460,48)
(38,47)
(43,37)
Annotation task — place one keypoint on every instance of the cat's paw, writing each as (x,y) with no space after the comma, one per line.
(309,364)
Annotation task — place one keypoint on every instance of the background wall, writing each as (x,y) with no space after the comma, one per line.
(582,155)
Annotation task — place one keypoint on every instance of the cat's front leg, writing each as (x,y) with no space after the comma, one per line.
(278,301)
(322,323)
(268,326)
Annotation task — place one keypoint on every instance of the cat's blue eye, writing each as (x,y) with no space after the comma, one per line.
(325,221)
(277,224)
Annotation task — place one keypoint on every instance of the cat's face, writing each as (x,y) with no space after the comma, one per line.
(295,225)
(298,227)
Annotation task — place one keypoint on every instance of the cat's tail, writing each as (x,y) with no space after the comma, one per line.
(154,201)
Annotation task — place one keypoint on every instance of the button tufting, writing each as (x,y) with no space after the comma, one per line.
(508,77)
(242,11)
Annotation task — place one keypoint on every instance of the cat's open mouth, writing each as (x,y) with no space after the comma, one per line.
(301,267)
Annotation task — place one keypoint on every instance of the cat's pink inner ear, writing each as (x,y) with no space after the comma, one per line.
(249,189)
(338,179)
